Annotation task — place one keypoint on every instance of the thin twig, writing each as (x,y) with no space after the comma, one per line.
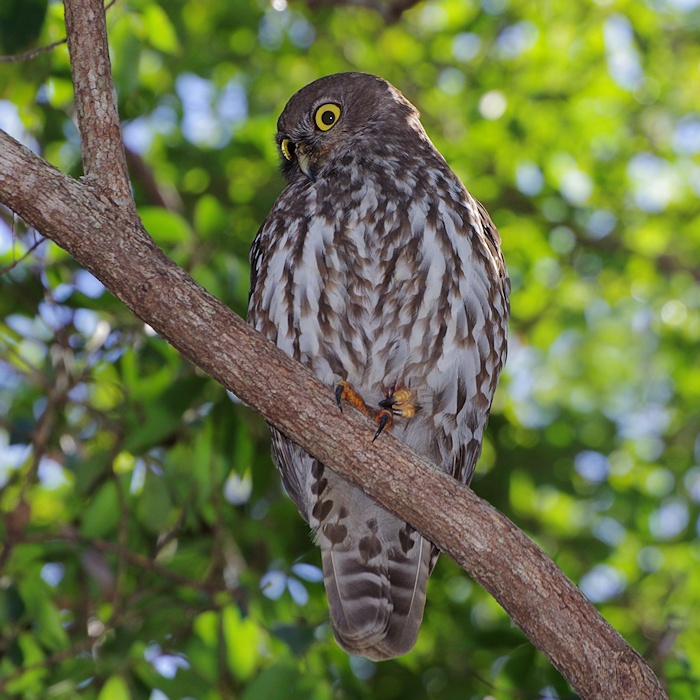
(27,253)
(133,558)
(29,55)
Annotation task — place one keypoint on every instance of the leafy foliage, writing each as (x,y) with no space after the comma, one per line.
(148,549)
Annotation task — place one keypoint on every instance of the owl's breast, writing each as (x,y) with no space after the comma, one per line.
(368,298)
(381,288)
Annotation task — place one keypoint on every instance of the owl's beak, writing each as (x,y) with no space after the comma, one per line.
(304,160)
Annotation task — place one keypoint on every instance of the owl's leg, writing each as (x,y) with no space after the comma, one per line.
(344,391)
(398,402)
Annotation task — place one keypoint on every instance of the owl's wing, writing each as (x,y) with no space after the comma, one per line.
(492,240)
(254,258)
(474,410)
(465,459)
(292,469)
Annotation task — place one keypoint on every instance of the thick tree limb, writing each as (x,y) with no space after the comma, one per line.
(100,231)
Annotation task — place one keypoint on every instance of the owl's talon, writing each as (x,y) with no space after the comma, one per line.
(339,389)
(383,418)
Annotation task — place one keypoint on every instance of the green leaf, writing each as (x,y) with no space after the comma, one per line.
(166,227)
(278,681)
(206,626)
(49,626)
(210,217)
(101,515)
(242,637)
(32,680)
(154,505)
(116,688)
(160,31)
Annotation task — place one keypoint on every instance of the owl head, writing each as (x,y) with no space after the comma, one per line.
(335,119)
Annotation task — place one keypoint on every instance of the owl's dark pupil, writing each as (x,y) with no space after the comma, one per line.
(328,117)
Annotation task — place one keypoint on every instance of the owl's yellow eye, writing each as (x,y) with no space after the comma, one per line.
(326,116)
(287,148)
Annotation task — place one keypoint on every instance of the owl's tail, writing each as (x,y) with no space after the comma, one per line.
(376,602)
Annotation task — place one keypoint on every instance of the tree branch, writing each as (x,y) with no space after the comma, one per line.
(101,230)
(98,119)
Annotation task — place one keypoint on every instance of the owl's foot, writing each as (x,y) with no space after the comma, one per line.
(399,402)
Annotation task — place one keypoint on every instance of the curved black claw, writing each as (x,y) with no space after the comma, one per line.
(388,403)
(384,419)
(339,389)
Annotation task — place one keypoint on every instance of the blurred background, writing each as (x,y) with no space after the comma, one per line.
(148,550)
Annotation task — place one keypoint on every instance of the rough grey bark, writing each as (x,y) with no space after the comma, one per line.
(94,96)
(91,220)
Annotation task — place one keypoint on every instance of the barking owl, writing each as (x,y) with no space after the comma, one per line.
(380,272)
